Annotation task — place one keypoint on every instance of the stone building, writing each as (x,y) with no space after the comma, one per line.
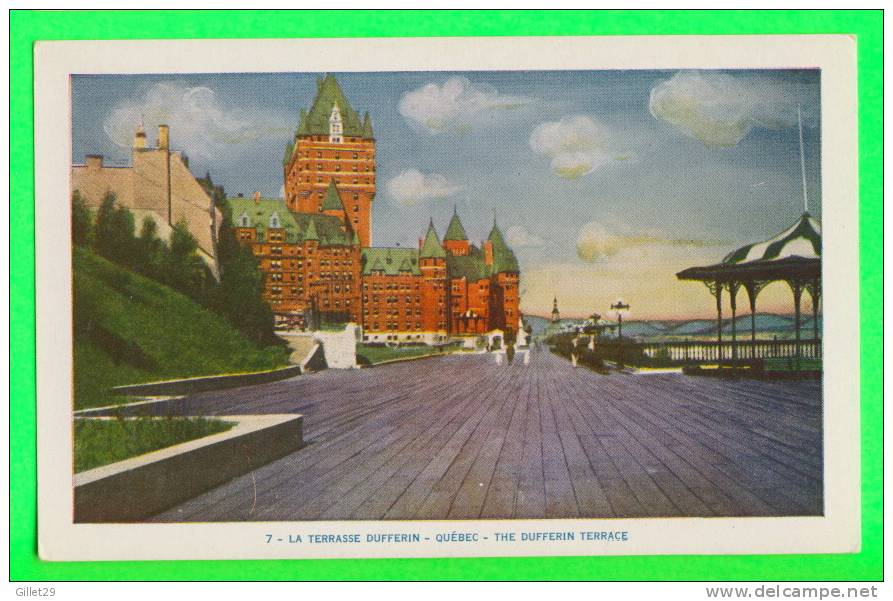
(158,185)
(311,262)
(314,246)
(332,145)
(314,265)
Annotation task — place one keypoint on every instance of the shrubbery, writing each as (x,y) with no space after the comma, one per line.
(111,233)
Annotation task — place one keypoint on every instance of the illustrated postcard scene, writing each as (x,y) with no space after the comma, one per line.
(446,295)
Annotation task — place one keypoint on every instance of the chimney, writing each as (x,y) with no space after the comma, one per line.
(488,252)
(139,138)
(257,198)
(164,141)
(94,161)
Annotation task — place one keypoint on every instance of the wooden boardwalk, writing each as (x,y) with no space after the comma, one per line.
(462,437)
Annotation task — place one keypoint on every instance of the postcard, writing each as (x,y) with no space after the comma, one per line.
(447,297)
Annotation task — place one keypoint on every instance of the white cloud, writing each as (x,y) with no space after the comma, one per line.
(517,236)
(595,242)
(719,109)
(200,123)
(577,145)
(455,104)
(412,187)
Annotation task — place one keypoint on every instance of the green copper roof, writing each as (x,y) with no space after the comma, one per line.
(390,261)
(329,230)
(246,212)
(431,248)
(316,121)
(310,233)
(471,267)
(504,259)
(332,201)
(455,231)
(326,229)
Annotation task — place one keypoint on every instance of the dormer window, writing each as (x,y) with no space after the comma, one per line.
(336,126)
(244,221)
(274,221)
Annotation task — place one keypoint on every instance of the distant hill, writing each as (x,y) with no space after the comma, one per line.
(131,329)
(766,323)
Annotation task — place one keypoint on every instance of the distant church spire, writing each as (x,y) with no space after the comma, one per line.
(556,316)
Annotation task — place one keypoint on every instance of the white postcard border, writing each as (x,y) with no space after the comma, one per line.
(837,531)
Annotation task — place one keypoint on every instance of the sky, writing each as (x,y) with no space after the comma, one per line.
(605,183)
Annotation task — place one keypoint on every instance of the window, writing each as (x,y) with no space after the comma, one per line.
(244,221)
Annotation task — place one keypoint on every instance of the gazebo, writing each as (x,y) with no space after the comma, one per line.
(793,256)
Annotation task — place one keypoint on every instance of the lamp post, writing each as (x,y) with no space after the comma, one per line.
(619,307)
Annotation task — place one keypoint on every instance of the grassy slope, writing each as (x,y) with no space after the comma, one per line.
(379,354)
(130,329)
(100,442)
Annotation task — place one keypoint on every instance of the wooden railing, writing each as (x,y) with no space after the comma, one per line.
(696,351)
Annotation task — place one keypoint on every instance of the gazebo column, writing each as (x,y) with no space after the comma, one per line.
(797,289)
(815,292)
(733,294)
(753,289)
(716,290)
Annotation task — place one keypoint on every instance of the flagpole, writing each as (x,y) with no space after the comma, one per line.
(802,161)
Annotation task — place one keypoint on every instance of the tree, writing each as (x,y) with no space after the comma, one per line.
(238,298)
(151,251)
(115,232)
(185,271)
(81,221)
(239,295)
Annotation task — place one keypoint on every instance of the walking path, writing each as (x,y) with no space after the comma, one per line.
(463,437)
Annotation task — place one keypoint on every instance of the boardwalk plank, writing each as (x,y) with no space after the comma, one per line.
(463,437)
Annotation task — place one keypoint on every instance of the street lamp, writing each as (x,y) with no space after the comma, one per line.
(619,307)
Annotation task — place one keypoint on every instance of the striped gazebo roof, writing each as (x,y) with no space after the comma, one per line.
(803,239)
(795,253)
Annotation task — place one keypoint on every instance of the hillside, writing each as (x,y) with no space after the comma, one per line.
(129,329)
(767,324)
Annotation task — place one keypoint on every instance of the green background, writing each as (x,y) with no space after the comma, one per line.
(27,27)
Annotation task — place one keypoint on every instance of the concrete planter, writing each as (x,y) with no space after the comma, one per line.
(137,488)
(205,383)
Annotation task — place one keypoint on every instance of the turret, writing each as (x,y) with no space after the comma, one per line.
(430,247)
(331,204)
(455,241)
(504,260)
